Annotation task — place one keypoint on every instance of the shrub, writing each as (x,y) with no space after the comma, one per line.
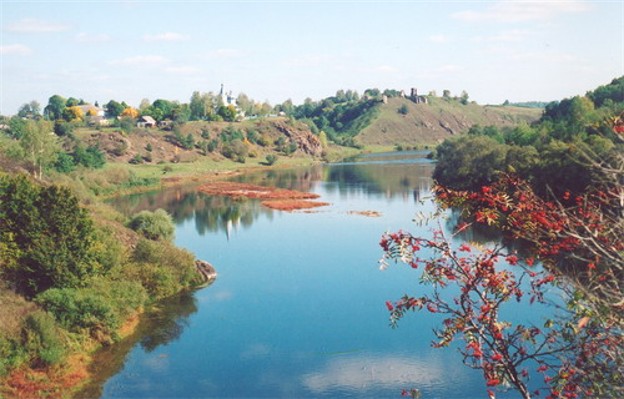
(43,340)
(162,268)
(12,354)
(271,159)
(64,163)
(156,225)
(98,309)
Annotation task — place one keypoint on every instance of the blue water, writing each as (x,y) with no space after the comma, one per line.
(298,307)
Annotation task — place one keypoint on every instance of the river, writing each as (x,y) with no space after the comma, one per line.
(298,307)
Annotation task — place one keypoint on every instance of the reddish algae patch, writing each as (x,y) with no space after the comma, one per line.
(292,204)
(274,198)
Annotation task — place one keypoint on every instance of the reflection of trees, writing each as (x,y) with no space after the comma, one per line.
(158,327)
(168,321)
(210,213)
(374,176)
(387,179)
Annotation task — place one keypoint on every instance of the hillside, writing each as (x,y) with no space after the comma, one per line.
(427,124)
(193,140)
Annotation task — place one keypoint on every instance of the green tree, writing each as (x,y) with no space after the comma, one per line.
(114,109)
(40,145)
(464,97)
(469,162)
(196,106)
(54,109)
(156,225)
(53,234)
(403,110)
(64,163)
(30,110)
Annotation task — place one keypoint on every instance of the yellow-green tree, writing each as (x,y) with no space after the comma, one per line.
(71,114)
(40,145)
(130,112)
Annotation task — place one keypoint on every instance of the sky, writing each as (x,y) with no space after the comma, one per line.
(129,50)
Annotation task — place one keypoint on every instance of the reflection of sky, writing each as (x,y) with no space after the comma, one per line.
(358,374)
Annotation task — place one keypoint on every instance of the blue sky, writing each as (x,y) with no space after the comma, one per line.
(275,50)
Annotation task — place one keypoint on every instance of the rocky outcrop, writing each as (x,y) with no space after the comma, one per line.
(305,139)
(207,272)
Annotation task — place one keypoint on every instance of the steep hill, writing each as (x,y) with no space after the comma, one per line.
(427,124)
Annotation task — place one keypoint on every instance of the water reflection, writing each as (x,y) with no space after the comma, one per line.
(359,374)
(404,175)
(162,325)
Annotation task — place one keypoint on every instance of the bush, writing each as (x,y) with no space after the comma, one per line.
(271,159)
(43,340)
(99,308)
(12,354)
(161,268)
(156,225)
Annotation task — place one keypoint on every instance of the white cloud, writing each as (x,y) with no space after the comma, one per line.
(439,39)
(360,373)
(15,49)
(519,11)
(545,57)
(92,38)
(32,25)
(166,37)
(448,68)
(515,35)
(141,60)
(307,61)
(182,70)
(225,53)
(386,69)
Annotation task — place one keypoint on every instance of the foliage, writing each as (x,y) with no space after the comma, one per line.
(271,159)
(403,110)
(42,340)
(73,114)
(63,128)
(130,112)
(555,154)
(90,157)
(54,109)
(114,108)
(162,269)
(17,127)
(52,236)
(64,162)
(235,150)
(30,110)
(156,225)
(99,308)
(40,146)
(341,117)
(580,354)
(469,161)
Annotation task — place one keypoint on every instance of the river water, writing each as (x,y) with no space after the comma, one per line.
(298,307)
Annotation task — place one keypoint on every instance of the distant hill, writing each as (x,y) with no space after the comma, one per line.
(401,121)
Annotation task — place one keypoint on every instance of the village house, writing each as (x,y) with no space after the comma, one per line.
(146,122)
